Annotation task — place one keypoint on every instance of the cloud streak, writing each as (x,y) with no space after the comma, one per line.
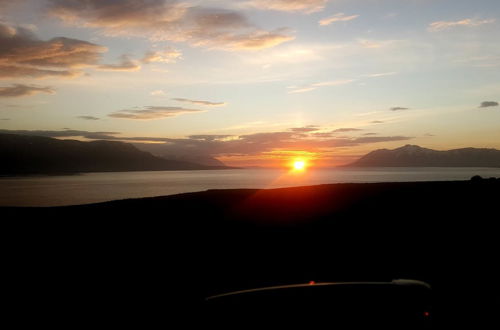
(20,90)
(200,102)
(341,17)
(468,22)
(152,113)
(305,6)
(314,86)
(88,117)
(168,55)
(126,65)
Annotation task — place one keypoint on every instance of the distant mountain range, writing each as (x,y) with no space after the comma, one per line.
(415,156)
(158,150)
(21,154)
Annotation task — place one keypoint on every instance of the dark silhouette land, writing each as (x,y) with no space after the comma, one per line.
(151,260)
(21,154)
(415,156)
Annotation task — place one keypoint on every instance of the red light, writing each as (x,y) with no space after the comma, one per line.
(427,314)
(312,283)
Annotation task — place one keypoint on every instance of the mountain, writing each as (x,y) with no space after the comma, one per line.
(415,156)
(21,154)
(159,150)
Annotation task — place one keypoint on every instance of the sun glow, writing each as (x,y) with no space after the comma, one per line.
(299,165)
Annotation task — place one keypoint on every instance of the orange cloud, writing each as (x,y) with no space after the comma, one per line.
(306,6)
(126,64)
(169,20)
(168,55)
(24,55)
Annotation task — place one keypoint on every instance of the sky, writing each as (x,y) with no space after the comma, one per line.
(254,82)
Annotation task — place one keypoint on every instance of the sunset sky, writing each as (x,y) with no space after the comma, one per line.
(254,82)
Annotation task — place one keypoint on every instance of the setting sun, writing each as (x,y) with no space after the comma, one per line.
(299,165)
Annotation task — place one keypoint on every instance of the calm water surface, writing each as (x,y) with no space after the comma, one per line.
(100,187)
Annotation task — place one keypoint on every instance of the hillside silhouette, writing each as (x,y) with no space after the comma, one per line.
(415,156)
(151,260)
(42,155)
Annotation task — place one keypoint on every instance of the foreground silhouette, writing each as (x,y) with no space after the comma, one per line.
(155,259)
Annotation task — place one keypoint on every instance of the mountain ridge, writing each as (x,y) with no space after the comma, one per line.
(26,154)
(417,156)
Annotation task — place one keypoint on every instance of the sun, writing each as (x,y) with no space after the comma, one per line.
(299,165)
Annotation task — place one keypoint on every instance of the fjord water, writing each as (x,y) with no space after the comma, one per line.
(99,187)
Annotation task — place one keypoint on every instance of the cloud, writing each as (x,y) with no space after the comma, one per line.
(378,139)
(487,104)
(19,90)
(168,55)
(344,130)
(171,20)
(468,22)
(209,137)
(198,102)
(305,6)
(306,129)
(302,90)
(4,119)
(152,113)
(376,75)
(64,134)
(13,71)
(158,92)
(88,117)
(126,65)
(311,87)
(341,17)
(22,54)
(376,122)
(399,109)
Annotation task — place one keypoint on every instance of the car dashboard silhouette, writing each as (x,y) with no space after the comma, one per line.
(400,304)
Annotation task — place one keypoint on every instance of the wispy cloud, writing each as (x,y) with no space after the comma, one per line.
(311,87)
(341,17)
(88,117)
(347,129)
(152,113)
(19,90)
(168,55)
(65,133)
(305,129)
(384,74)
(399,109)
(126,64)
(158,92)
(468,22)
(200,102)
(305,6)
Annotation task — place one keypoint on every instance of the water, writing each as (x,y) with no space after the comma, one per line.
(100,187)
